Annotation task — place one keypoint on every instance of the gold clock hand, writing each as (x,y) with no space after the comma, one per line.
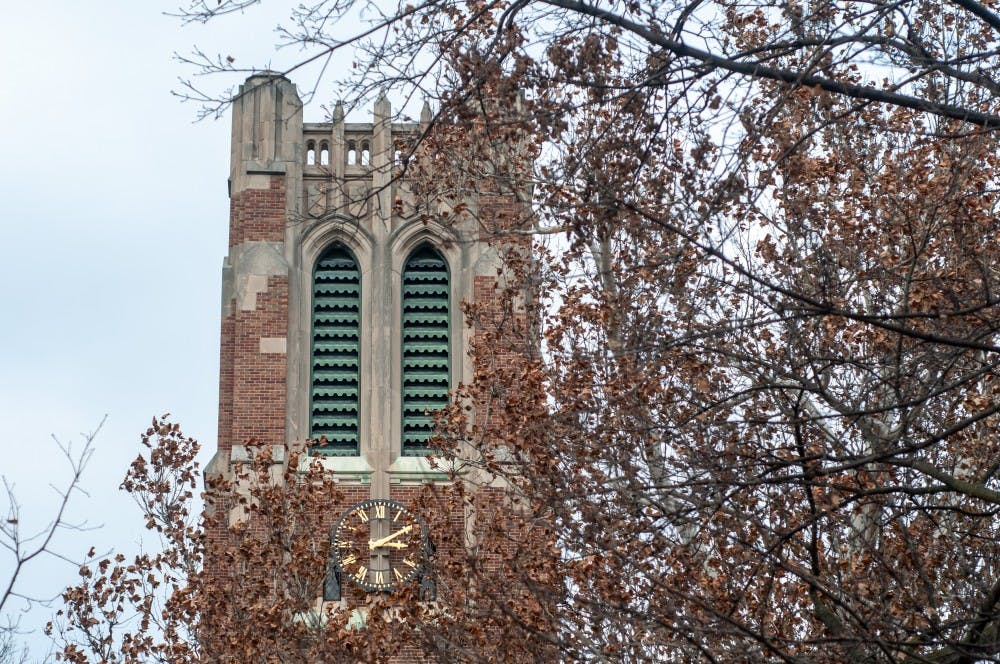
(375,544)
(372,544)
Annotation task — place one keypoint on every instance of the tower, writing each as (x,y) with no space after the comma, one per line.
(341,314)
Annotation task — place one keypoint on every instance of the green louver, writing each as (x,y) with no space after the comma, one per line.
(336,318)
(426,357)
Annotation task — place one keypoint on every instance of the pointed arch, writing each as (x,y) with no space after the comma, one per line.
(334,404)
(426,345)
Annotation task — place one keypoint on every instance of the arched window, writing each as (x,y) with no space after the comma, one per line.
(334,415)
(426,348)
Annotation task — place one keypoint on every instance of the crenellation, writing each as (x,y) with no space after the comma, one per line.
(345,164)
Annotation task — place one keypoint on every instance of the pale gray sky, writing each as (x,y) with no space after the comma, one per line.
(114,215)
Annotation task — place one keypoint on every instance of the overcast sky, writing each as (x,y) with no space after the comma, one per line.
(114,216)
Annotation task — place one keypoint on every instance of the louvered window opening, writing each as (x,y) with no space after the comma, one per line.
(426,356)
(336,318)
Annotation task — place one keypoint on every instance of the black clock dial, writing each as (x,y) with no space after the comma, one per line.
(378,544)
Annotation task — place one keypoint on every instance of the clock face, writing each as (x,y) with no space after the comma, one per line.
(378,544)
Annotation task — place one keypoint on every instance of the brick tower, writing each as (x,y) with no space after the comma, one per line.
(341,318)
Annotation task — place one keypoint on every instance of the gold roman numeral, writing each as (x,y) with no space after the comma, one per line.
(361,575)
(399,575)
(349,560)
(399,513)
(363,515)
(380,511)
(380,578)
(407,561)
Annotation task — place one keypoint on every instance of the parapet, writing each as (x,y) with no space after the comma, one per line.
(332,168)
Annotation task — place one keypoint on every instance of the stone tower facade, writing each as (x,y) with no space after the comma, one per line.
(306,200)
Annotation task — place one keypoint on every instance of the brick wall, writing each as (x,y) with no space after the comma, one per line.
(226,378)
(259,388)
(258,214)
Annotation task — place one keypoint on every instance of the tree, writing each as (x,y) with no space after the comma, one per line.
(243,580)
(763,424)
(25,549)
